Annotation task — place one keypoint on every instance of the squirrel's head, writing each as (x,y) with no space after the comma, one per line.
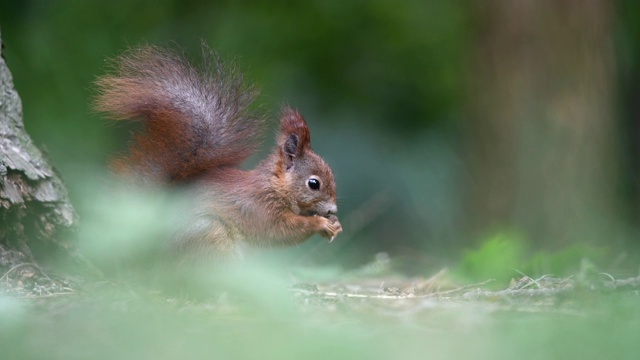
(306,176)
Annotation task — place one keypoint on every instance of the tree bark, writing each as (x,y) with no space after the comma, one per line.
(543,157)
(34,205)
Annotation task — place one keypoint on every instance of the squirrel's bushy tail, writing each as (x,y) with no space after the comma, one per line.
(195,117)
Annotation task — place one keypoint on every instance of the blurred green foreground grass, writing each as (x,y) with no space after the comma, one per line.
(141,309)
(129,324)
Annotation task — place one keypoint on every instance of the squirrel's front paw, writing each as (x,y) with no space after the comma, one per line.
(331,227)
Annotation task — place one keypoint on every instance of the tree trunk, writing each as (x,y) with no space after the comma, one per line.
(33,201)
(542,155)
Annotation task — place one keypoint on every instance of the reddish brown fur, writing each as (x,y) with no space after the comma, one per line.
(195,118)
(197,128)
(293,123)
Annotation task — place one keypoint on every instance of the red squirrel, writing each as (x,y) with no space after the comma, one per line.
(198,129)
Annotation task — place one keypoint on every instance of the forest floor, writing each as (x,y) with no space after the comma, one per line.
(364,316)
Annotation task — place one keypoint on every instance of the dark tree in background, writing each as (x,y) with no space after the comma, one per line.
(542,153)
(33,201)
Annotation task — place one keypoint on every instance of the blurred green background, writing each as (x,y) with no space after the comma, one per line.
(449,124)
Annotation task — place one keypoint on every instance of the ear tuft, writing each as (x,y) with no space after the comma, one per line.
(294,138)
(292,123)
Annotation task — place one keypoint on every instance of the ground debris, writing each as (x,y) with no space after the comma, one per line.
(523,293)
(28,280)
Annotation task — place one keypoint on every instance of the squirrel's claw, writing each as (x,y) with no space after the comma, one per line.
(332,227)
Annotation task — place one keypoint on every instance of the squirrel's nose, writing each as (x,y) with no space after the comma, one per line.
(332,209)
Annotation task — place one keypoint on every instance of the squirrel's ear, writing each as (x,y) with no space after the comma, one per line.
(294,138)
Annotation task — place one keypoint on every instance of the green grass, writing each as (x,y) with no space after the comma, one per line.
(138,309)
(252,313)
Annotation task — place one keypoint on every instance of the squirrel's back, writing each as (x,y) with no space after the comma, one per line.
(195,118)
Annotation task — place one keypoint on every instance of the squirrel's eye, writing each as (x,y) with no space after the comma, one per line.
(314,184)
